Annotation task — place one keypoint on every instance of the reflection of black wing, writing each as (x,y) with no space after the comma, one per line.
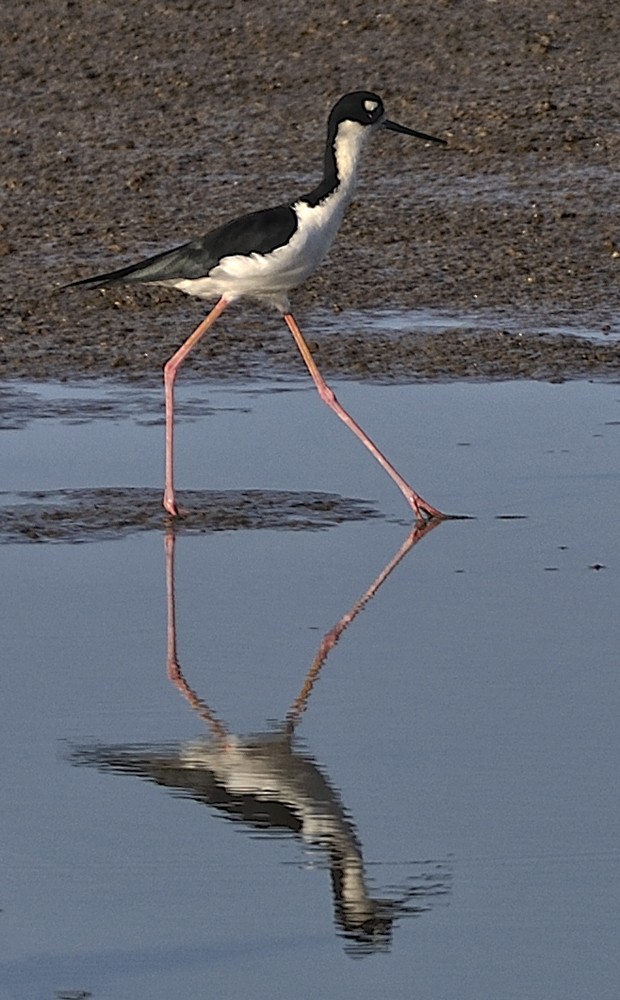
(279,787)
(258,232)
(196,783)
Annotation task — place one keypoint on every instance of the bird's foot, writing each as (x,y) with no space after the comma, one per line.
(172,507)
(424,512)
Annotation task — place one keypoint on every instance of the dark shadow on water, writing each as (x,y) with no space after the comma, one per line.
(272,786)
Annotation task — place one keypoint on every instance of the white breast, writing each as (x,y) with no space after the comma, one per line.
(269,277)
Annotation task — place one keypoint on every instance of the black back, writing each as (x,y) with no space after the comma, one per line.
(257,232)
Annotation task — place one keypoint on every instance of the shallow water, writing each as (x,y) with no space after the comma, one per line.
(439,801)
(398,321)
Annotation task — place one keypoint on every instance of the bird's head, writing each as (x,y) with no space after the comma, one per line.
(363,112)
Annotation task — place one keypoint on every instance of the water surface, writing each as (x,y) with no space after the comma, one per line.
(433,809)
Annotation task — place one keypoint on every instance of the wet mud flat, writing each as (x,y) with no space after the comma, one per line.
(248,343)
(128,129)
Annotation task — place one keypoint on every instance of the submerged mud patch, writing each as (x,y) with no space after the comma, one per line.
(101,400)
(88,515)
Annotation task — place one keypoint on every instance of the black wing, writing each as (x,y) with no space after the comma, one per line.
(258,232)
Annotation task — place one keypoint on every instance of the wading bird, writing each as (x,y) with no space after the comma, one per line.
(263,255)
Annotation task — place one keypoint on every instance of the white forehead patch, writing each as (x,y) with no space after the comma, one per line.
(371,106)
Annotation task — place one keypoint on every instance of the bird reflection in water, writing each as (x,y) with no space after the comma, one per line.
(267,782)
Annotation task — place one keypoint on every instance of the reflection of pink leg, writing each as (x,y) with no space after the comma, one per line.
(170,372)
(174,670)
(171,658)
(331,638)
(422,510)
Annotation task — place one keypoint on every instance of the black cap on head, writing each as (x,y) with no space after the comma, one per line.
(367,108)
(360,106)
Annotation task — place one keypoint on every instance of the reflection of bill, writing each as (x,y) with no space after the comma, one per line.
(268,782)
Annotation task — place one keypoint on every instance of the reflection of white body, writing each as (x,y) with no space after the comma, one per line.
(269,771)
(279,780)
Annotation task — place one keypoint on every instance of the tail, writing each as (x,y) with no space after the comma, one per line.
(128,273)
(161,267)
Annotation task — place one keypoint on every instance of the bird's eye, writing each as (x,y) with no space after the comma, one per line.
(371,107)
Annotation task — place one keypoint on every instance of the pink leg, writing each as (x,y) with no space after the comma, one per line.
(170,372)
(422,510)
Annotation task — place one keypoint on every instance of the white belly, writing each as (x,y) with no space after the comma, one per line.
(269,277)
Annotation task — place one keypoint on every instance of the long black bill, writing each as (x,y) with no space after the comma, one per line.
(395,127)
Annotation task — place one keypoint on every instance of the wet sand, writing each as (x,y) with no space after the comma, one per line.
(130,128)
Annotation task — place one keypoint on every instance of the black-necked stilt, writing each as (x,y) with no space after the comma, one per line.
(264,254)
